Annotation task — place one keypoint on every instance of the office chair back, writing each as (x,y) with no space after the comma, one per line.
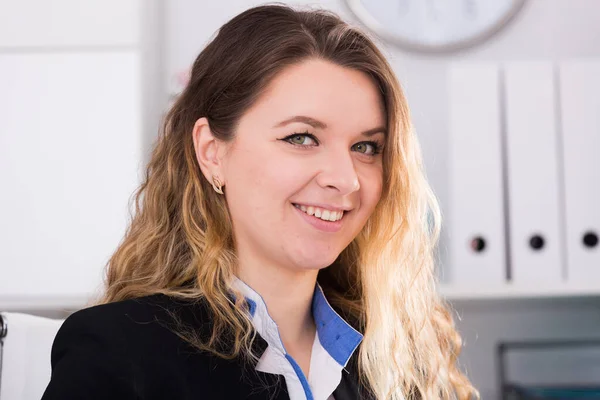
(25,345)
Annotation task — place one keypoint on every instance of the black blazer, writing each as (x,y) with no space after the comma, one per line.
(128,350)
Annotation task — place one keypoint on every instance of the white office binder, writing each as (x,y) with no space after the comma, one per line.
(532,167)
(476,220)
(580,106)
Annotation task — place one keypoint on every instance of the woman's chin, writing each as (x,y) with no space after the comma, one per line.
(308,262)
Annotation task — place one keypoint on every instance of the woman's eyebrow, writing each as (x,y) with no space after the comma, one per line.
(315,123)
(374,131)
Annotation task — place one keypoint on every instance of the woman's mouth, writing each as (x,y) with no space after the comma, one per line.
(321,213)
(332,223)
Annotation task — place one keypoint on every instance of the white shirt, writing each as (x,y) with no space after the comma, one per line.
(334,344)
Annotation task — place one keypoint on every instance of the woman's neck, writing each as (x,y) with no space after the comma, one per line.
(288,297)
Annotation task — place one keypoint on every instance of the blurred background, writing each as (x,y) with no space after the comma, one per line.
(505,98)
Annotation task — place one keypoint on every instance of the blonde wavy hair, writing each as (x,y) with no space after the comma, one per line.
(180,240)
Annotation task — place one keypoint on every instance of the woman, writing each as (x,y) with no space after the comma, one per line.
(283,237)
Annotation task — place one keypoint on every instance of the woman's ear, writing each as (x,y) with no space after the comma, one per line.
(208,150)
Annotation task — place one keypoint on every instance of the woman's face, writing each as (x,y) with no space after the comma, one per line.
(311,140)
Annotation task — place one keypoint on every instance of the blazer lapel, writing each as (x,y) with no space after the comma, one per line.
(239,377)
(263,385)
(267,387)
(349,387)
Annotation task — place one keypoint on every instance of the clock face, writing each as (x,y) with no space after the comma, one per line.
(435,25)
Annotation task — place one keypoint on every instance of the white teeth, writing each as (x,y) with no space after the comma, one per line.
(325,215)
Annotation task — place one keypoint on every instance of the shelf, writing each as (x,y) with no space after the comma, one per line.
(42,303)
(450,292)
(517,291)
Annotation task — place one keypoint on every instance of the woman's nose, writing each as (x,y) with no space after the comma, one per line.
(338,172)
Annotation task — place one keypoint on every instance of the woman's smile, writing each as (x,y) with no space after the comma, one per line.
(323,213)
(322,219)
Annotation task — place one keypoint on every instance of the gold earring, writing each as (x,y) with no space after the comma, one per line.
(217,185)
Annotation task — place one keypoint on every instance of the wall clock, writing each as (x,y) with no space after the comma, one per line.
(435,26)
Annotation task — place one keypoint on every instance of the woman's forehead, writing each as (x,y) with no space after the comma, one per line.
(326,92)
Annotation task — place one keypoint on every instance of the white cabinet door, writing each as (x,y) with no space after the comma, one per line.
(70,151)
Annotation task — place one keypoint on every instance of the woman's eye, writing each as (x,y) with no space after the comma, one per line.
(368,148)
(301,139)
